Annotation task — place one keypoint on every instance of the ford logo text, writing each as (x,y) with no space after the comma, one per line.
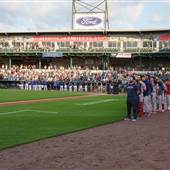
(89,21)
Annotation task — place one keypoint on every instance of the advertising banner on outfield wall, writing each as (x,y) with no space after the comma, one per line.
(89,21)
(52,54)
(124,55)
(164,37)
(78,38)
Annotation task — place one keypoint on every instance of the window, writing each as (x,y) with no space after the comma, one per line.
(67,44)
(112,44)
(96,44)
(154,44)
(147,43)
(63,44)
(130,44)
(100,44)
(165,44)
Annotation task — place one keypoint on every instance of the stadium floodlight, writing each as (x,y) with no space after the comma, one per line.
(90,15)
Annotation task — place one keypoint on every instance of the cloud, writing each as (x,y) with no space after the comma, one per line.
(134,11)
(43,15)
(23,16)
(125,15)
(52,15)
(156,18)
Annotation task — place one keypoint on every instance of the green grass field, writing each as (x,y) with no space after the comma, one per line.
(17,95)
(21,124)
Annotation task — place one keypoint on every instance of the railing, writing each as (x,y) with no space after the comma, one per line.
(91,50)
(9,84)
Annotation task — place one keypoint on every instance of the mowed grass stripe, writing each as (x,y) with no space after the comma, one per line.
(97,102)
(46,100)
(10,95)
(22,111)
(20,128)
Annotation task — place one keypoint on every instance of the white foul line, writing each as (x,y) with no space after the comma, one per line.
(20,111)
(13,112)
(40,111)
(97,102)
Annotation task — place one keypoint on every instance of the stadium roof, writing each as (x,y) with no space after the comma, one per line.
(88,31)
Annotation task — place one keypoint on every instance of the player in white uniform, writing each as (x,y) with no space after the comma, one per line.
(26,85)
(75,87)
(65,87)
(61,87)
(70,88)
(85,87)
(154,95)
(141,97)
(80,88)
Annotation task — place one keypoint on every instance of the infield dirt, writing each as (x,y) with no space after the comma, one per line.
(125,145)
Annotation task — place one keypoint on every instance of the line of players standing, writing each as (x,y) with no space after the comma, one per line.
(147,95)
(83,86)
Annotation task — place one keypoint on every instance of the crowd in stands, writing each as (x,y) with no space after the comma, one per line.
(69,79)
(72,79)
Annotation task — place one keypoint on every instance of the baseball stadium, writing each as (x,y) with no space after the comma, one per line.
(89,98)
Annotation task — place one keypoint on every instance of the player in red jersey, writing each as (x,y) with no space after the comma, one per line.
(168,93)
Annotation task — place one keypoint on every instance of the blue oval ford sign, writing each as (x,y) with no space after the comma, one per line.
(88,21)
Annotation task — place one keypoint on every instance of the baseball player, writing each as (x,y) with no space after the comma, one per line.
(168,93)
(133,91)
(141,97)
(147,96)
(160,93)
(154,95)
(75,86)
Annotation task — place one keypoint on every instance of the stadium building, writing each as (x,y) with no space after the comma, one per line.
(137,49)
(90,43)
